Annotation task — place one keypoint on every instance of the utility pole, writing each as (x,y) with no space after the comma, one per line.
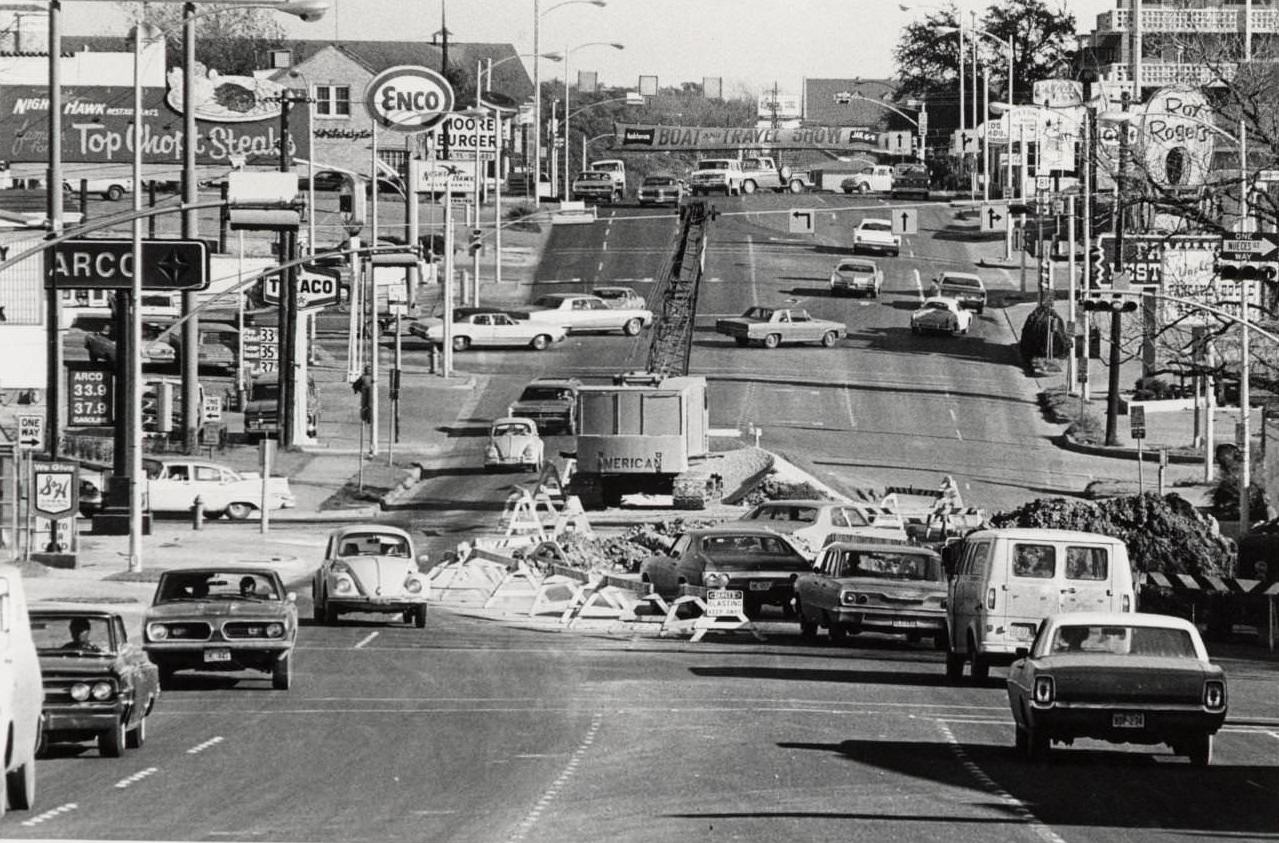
(1116,317)
(287,245)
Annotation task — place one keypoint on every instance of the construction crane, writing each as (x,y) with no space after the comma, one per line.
(672,338)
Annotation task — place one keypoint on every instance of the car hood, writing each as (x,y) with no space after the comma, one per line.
(215,609)
(80,665)
(510,446)
(380,574)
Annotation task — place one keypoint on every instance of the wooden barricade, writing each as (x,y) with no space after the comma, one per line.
(692,595)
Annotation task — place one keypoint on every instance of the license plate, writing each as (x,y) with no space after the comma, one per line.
(761,585)
(1129,721)
(1023,631)
(219,655)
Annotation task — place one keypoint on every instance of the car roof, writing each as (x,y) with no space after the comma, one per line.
(947,275)
(69,611)
(1046,533)
(879,544)
(659,175)
(226,567)
(555,382)
(733,528)
(1144,619)
(801,502)
(948,299)
(187,461)
(597,290)
(877,220)
(857,262)
(512,420)
(365,529)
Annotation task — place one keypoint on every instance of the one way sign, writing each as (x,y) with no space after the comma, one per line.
(994,217)
(31,432)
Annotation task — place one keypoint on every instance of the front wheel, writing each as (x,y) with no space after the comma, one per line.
(864,187)
(461,343)
(829,339)
(980,669)
(239,511)
(111,742)
(796,186)
(954,666)
(282,674)
(20,787)
(743,341)
(748,187)
(540,342)
(1199,749)
(115,193)
(137,736)
(632,327)
(419,616)
(772,341)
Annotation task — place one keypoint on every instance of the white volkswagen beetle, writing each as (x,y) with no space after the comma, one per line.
(370,568)
(513,442)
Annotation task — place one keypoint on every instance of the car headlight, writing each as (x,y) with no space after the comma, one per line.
(157,631)
(80,691)
(1214,695)
(344,585)
(530,452)
(275,630)
(413,585)
(715,579)
(1044,690)
(102,691)
(490,453)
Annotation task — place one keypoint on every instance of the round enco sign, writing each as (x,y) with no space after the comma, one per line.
(408,99)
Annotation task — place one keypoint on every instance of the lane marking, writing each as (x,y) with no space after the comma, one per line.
(599,267)
(530,820)
(848,407)
(50,814)
(201,747)
(136,777)
(365,640)
(1015,805)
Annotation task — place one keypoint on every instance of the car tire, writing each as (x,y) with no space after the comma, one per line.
(633,326)
(864,187)
(829,339)
(979,670)
(419,616)
(742,341)
(836,631)
(980,311)
(1038,745)
(461,343)
(166,676)
(954,666)
(114,193)
(137,736)
(807,626)
(239,511)
(1199,750)
(941,641)
(20,787)
(1021,742)
(111,741)
(330,614)
(772,341)
(749,187)
(540,342)
(896,253)
(282,673)
(914,329)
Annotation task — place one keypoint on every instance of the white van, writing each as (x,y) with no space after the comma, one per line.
(21,693)
(1006,581)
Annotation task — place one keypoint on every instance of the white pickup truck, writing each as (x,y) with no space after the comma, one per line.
(717,175)
(874,179)
(615,166)
(763,173)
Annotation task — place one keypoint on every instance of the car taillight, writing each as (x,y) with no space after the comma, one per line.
(1214,695)
(1127,606)
(990,598)
(1044,690)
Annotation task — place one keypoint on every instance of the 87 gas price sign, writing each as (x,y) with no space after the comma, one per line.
(89,394)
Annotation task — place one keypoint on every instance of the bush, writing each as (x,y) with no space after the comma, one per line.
(1091,430)
(520,218)
(1042,323)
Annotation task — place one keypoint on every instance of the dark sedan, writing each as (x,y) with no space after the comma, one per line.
(760,563)
(228,618)
(1117,677)
(98,685)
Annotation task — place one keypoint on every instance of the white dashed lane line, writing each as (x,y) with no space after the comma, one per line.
(136,777)
(365,640)
(530,820)
(50,814)
(201,747)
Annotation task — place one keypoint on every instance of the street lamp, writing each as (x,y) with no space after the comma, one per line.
(537,84)
(1008,43)
(568,157)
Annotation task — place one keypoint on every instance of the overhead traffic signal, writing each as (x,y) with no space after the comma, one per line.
(1246,271)
(1097,302)
(477,241)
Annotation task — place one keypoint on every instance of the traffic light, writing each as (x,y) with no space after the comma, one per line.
(1095,303)
(477,241)
(1245,271)
(363,386)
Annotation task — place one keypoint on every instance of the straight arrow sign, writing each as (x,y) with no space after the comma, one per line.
(1256,248)
(905,221)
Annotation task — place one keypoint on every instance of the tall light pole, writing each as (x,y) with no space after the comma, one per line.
(537,84)
(568,153)
(1007,43)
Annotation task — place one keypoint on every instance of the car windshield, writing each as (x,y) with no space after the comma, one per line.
(737,545)
(265,392)
(595,177)
(512,429)
(800,514)
(548,301)
(761,313)
(218,338)
(936,305)
(374,544)
(960,281)
(71,635)
(185,586)
(545,393)
(889,565)
(857,267)
(1123,641)
(713,165)
(876,225)
(658,182)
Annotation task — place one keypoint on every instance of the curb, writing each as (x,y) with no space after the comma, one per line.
(1070,443)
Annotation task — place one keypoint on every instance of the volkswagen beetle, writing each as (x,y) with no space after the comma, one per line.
(513,443)
(370,568)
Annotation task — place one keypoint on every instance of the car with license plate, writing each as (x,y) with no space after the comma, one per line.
(940,315)
(812,524)
(770,327)
(620,297)
(262,406)
(757,561)
(866,586)
(965,287)
(370,568)
(876,235)
(1120,677)
(224,618)
(661,189)
(863,277)
(174,483)
(98,684)
(580,313)
(551,403)
(513,443)
(492,329)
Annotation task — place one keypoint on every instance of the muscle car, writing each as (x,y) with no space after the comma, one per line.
(813,524)
(876,235)
(660,189)
(226,618)
(965,287)
(772,326)
(856,276)
(939,315)
(479,330)
(513,442)
(98,685)
(173,484)
(1120,677)
(578,312)
(370,568)
(862,585)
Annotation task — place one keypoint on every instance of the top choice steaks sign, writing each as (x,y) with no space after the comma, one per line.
(96,127)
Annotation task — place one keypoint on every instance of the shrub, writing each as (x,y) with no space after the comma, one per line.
(520,218)
(1091,429)
(1042,323)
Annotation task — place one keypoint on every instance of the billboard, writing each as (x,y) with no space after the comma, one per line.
(646,137)
(232,120)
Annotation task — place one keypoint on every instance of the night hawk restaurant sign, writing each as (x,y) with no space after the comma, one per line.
(637,136)
(108,265)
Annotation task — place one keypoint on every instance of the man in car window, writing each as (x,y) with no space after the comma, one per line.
(79,628)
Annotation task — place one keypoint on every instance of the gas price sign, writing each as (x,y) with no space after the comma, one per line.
(89,393)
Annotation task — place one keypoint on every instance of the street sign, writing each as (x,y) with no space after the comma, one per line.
(905,221)
(212,409)
(723,603)
(994,217)
(801,221)
(31,432)
(108,265)
(1145,255)
(1259,247)
(56,488)
(89,396)
(898,143)
(963,141)
(1043,183)
(261,349)
(408,99)
(317,287)
(1137,418)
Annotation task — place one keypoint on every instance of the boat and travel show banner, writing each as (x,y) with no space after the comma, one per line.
(638,137)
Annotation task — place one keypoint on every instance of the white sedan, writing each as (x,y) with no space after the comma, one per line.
(856,275)
(174,483)
(876,235)
(579,312)
(940,315)
(491,329)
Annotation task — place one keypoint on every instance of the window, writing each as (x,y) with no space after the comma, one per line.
(208,474)
(1087,563)
(1038,561)
(842,517)
(332,101)
(976,560)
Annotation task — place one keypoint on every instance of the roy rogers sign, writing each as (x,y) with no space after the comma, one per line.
(408,99)
(97,127)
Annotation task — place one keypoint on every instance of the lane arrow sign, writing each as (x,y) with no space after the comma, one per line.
(801,222)
(1257,247)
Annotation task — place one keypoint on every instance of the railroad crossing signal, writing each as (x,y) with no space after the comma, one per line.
(994,217)
(905,221)
(801,221)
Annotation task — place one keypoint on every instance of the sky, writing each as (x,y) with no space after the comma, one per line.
(751,44)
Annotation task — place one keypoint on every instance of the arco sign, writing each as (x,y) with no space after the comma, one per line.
(408,99)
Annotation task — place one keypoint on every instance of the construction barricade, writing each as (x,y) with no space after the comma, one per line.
(1223,604)
(720,611)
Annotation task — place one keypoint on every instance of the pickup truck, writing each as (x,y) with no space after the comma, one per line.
(772,326)
(876,179)
(616,167)
(596,186)
(763,173)
(717,175)
(113,189)
(910,180)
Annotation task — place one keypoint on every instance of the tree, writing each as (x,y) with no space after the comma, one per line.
(230,41)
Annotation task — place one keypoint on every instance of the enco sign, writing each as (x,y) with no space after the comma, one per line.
(408,99)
